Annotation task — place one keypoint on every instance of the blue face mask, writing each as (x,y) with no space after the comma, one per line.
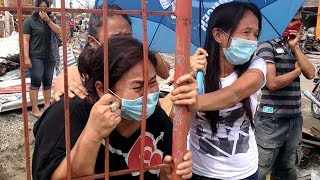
(132,109)
(240,50)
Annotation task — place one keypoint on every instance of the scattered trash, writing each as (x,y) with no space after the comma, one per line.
(309,175)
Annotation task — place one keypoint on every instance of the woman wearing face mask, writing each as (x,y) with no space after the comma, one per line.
(117,25)
(116,115)
(40,53)
(221,136)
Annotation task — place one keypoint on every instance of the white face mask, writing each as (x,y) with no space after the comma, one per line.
(132,109)
(240,50)
(95,40)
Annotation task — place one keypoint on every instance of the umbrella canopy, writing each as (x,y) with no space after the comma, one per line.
(276,15)
(161,29)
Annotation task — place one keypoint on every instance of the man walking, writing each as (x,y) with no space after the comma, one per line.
(278,121)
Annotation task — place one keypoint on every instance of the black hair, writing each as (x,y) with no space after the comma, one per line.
(95,26)
(96,23)
(37,4)
(225,17)
(124,52)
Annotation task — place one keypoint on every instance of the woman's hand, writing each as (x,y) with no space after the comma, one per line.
(103,118)
(73,90)
(184,169)
(198,61)
(186,93)
(44,16)
(75,86)
(27,62)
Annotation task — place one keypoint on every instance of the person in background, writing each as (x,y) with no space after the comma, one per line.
(38,33)
(278,119)
(71,27)
(116,115)
(86,26)
(118,25)
(221,136)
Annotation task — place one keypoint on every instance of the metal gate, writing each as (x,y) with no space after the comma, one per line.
(181,116)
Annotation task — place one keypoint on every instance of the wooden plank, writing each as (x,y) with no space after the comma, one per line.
(315,131)
(309,132)
(311,142)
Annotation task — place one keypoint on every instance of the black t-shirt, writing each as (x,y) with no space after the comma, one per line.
(124,152)
(39,37)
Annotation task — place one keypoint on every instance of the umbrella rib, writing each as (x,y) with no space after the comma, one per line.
(154,35)
(267,19)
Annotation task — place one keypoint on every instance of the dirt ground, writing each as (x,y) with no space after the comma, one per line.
(12,154)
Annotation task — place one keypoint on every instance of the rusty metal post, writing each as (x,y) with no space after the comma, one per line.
(66,96)
(181,115)
(24,94)
(145,86)
(106,78)
(318,22)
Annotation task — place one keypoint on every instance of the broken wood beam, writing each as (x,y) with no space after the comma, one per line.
(311,142)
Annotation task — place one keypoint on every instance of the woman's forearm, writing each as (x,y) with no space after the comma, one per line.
(55,28)
(83,159)
(73,78)
(26,49)
(163,67)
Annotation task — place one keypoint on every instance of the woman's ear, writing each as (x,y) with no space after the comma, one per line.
(92,42)
(99,88)
(216,34)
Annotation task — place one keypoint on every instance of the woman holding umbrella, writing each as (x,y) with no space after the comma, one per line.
(221,135)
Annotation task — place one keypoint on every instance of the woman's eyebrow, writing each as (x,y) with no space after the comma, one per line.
(140,81)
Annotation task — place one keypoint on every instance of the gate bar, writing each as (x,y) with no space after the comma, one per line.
(181,115)
(66,96)
(106,79)
(145,86)
(96,11)
(24,91)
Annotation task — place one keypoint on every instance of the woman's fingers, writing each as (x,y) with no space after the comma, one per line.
(77,89)
(187,78)
(200,51)
(104,116)
(199,57)
(183,91)
(198,63)
(198,67)
(184,169)
(187,93)
(56,96)
(106,99)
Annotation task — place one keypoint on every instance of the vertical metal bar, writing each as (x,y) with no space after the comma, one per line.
(66,96)
(145,85)
(6,19)
(24,94)
(318,22)
(106,78)
(181,115)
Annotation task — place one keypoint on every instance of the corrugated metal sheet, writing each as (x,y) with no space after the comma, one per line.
(311,3)
(11,84)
